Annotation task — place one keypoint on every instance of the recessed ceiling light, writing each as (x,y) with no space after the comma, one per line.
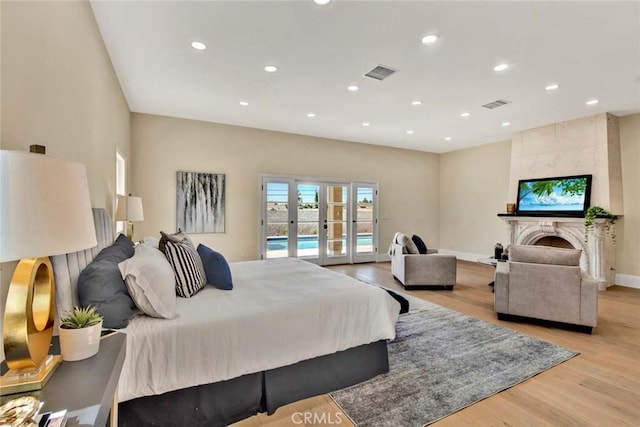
(311,115)
(353,88)
(365,124)
(409,132)
(505,124)
(244,103)
(465,114)
(198,45)
(322,2)
(552,87)
(416,102)
(429,38)
(270,68)
(447,138)
(592,102)
(501,67)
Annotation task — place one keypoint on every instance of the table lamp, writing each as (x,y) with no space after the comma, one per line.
(45,210)
(129,209)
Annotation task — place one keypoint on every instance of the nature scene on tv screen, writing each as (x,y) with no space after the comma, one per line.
(552,195)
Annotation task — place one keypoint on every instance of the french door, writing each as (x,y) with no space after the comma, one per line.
(324,222)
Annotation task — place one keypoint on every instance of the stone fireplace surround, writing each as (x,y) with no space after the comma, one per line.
(598,254)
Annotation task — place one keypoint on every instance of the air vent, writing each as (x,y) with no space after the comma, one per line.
(380,72)
(496,104)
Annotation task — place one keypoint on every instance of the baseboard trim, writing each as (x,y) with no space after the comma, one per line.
(628,281)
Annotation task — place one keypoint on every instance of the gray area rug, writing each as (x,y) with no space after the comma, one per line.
(442,361)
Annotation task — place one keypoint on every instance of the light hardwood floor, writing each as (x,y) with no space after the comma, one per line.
(600,387)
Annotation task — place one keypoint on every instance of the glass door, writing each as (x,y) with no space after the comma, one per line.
(324,222)
(308,221)
(277,219)
(337,248)
(364,220)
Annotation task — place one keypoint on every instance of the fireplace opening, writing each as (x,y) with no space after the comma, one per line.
(554,241)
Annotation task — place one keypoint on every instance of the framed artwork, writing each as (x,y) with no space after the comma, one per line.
(200,202)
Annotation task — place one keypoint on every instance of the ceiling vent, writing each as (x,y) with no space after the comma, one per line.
(496,104)
(380,72)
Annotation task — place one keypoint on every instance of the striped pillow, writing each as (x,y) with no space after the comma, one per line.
(190,276)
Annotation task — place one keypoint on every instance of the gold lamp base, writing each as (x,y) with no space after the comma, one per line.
(28,326)
(21,381)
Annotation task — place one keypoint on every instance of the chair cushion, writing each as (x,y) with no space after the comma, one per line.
(544,255)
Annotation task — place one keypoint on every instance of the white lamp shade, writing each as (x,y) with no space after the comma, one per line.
(129,209)
(45,208)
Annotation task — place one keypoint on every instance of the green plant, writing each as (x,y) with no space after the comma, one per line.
(594,212)
(79,318)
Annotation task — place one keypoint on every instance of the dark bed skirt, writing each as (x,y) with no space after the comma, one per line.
(226,402)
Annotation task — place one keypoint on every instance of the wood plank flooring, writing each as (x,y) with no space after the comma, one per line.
(600,387)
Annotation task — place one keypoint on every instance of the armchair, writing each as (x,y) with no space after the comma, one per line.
(541,283)
(421,271)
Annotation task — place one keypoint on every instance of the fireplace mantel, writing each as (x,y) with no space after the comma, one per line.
(598,254)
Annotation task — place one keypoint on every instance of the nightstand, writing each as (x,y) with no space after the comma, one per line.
(87,389)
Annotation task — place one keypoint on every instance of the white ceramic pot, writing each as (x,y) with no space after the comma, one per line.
(79,344)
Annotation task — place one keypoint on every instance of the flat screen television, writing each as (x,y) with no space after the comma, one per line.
(560,196)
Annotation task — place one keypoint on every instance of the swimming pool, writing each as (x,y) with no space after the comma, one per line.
(280,243)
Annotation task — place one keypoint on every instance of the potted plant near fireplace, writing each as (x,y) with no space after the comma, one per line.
(594,212)
(80,333)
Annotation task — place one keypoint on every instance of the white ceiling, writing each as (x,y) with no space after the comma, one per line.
(592,49)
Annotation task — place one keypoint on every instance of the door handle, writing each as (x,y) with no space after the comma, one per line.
(325,226)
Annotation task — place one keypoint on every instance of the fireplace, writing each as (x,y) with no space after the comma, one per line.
(598,255)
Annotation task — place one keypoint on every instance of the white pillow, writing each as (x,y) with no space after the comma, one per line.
(151,282)
(152,241)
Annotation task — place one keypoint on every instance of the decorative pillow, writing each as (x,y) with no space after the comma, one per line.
(179,237)
(100,285)
(408,246)
(151,241)
(187,268)
(422,248)
(216,268)
(151,282)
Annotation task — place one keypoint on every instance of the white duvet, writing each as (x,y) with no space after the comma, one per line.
(279,312)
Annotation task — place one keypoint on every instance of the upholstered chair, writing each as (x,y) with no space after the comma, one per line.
(421,271)
(541,283)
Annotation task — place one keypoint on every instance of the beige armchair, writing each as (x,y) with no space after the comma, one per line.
(541,283)
(421,271)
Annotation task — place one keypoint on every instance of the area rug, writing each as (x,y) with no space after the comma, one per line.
(442,361)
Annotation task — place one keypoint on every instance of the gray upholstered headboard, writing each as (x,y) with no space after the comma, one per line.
(67,268)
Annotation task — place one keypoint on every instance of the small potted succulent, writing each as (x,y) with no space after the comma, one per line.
(80,333)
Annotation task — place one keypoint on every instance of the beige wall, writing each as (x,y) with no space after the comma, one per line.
(628,229)
(59,90)
(588,145)
(408,180)
(473,189)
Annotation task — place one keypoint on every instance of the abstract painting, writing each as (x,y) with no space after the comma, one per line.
(200,202)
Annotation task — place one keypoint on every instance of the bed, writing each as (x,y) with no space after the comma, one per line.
(287,331)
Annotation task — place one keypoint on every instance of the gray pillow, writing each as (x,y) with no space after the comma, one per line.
(100,285)
(408,246)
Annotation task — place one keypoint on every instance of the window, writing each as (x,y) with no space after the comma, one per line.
(121,186)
